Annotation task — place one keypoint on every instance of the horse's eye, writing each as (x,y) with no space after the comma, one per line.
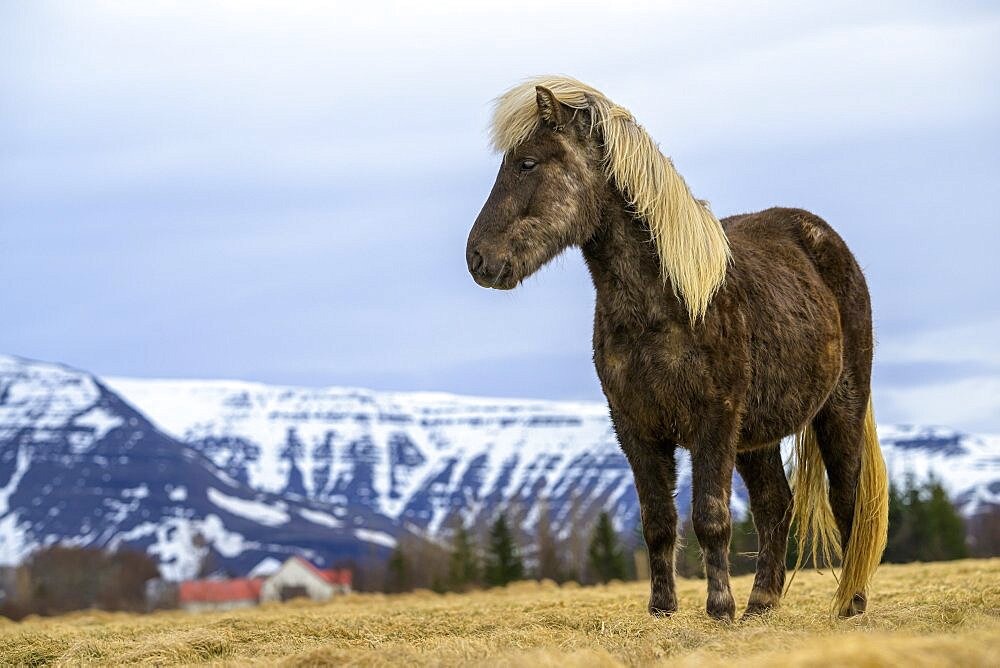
(527,165)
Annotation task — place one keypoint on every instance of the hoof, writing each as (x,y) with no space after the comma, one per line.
(857,606)
(663,606)
(661,612)
(756,610)
(760,603)
(721,607)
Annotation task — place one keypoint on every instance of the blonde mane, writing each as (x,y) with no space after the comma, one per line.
(693,248)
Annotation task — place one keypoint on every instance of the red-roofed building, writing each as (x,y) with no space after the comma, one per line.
(296,577)
(219,594)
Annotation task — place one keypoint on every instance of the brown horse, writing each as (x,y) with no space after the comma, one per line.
(720,337)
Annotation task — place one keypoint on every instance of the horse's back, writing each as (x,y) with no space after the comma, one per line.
(832,260)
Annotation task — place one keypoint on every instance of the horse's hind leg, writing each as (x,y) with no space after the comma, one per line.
(771,505)
(839,428)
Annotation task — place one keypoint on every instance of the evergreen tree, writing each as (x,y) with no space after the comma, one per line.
(503,561)
(574,547)
(640,554)
(792,551)
(463,569)
(397,572)
(895,545)
(984,532)
(688,561)
(743,546)
(905,527)
(915,524)
(549,566)
(606,556)
(923,524)
(945,528)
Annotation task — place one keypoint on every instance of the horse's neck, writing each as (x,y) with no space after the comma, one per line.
(626,272)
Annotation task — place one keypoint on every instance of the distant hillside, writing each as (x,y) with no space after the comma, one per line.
(79,465)
(245,471)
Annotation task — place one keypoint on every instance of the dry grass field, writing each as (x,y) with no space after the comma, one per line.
(921,615)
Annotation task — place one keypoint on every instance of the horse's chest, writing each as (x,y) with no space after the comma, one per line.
(646,376)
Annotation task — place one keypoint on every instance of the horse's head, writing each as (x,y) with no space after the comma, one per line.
(546,197)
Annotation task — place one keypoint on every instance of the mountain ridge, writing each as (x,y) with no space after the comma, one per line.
(334,473)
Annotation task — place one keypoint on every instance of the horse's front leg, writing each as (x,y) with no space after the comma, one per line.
(712,460)
(655,475)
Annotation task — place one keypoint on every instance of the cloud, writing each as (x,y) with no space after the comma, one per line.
(971,403)
(948,375)
(974,342)
(854,81)
(281,191)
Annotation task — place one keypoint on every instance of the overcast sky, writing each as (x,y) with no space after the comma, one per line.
(282,191)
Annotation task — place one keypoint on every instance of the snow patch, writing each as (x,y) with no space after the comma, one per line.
(254,511)
(319,517)
(100,421)
(44,397)
(376,537)
(20,468)
(267,566)
(14,542)
(181,544)
(140,492)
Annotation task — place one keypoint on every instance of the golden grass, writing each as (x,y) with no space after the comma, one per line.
(919,615)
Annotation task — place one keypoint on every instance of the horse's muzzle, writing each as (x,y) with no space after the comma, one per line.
(490,273)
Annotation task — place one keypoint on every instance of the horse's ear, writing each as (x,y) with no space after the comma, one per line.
(551,110)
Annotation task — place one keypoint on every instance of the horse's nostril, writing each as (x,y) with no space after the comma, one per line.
(475,261)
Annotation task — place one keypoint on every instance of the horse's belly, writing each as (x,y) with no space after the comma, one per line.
(776,372)
(792,378)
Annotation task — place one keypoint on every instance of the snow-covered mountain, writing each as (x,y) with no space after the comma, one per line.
(427,460)
(80,466)
(967,465)
(254,470)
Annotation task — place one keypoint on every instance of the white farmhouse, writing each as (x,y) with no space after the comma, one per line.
(297,577)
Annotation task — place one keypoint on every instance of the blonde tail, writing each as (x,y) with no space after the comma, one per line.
(817,529)
(871,521)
